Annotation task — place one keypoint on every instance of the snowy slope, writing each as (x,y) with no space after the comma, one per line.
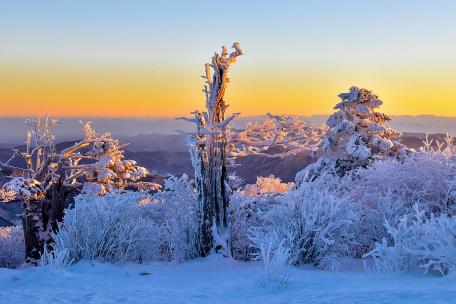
(214,280)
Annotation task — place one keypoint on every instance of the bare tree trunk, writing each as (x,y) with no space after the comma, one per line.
(207,212)
(40,219)
(57,199)
(217,182)
(32,222)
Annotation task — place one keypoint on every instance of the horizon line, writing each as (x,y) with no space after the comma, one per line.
(175,117)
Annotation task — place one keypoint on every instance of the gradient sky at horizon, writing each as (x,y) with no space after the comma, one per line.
(145,58)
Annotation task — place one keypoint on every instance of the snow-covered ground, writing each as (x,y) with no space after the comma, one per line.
(214,280)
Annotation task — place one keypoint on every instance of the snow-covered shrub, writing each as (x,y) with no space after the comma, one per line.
(132,226)
(277,271)
(267,186)
(12,249)
(177,213)
(246,207)
(243,216)
(425,178)
(111,229)
(235,182)
(313,225)
(56,259)
(387,190)
(418,242)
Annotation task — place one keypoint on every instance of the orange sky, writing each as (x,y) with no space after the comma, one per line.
(159,91)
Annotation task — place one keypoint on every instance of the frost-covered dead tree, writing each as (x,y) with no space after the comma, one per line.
(216,144)
(209,157)
(357,135)
(94,164)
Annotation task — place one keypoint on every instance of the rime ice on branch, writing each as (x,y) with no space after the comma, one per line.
(357,135)
(288,133)
(109,170)
(94,164)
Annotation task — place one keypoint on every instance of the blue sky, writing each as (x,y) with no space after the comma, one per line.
(154,31)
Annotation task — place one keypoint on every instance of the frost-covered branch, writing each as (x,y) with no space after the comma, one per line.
(289,133)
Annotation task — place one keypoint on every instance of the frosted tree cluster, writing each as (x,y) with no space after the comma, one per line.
(357,135)
(94,164)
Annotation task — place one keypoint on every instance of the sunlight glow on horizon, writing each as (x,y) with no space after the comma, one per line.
(146,93)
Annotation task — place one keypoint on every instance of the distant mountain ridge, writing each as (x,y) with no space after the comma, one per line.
(167,154)
(13,129)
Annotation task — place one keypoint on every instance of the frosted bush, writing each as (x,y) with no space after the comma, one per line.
(243,216)
(176,211)
(110,229)
(12,249)
(313,225)
(418,243)
(425,178)
(266,186)
(57,259)
(246,207)
(277,271)
(360,200)
(131,227)
(387,190)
